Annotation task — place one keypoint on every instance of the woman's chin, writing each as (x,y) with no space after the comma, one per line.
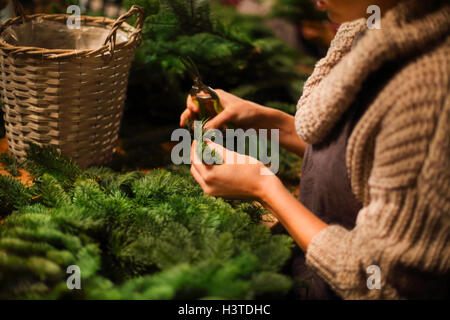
(333,17)
(337,18)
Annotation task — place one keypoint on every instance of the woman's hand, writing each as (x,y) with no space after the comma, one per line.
(240,112)
(246,114)
(239,177)
(252,180)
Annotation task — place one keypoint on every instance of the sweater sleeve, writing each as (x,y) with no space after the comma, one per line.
(405,227)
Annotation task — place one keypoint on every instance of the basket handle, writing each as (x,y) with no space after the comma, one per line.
(111,38)
(18,10)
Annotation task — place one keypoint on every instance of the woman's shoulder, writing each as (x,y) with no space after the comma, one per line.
(415,130)
(422,84)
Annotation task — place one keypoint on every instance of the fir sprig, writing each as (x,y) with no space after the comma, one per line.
(11,164)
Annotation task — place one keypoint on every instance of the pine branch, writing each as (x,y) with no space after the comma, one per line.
(48,159)
(12,166)
(12,194)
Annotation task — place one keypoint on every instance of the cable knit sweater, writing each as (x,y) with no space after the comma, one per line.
(398,155)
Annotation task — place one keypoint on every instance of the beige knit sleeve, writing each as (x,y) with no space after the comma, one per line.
(405,227)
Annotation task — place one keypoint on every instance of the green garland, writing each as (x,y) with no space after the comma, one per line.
(134,236)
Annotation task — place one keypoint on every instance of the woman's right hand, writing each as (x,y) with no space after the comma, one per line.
(245,114)
(240,112)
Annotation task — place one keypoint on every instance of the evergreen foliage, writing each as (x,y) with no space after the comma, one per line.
(234,52)
(47,159)
(10,164)
(12,195)
(59,7)
(297,10)
(134,236)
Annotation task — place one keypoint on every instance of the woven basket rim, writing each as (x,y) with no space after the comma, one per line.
(133,35)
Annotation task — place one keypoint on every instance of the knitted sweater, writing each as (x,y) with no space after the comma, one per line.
(398,155)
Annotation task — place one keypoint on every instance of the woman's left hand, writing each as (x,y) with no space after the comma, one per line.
(239,177)
(243,181)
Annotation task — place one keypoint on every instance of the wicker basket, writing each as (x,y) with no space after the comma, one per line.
(71,99)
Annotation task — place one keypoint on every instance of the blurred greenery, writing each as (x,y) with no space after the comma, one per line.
(296,11)
(234,52)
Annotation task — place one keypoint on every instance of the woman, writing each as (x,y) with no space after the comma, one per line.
(373,125)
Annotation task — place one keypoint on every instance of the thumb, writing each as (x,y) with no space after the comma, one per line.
(228,156)
(219,121)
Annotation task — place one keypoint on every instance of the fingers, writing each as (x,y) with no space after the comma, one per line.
(199,170)
(221,93)
(185,117)
(192,105)
(192,109)
(194,157)
(227,155)
(195,160)
(219,121)
(190,112)
(217,147)
(198,177)
(202,182)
